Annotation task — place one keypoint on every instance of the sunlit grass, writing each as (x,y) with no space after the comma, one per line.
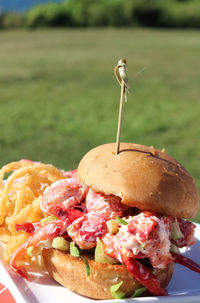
(59,97)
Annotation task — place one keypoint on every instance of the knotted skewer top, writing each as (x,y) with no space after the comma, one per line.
(120,71)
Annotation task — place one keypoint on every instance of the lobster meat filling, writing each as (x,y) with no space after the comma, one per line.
(82,216)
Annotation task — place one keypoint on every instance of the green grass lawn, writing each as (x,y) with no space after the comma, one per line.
(59,96)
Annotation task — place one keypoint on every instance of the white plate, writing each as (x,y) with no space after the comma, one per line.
(183,288)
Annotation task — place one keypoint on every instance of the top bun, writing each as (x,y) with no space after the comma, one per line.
(142,177)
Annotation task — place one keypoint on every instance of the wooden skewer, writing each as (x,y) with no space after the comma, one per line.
(121,74)
(119,127)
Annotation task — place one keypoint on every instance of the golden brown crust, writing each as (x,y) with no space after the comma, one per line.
(71,273)
(143,177)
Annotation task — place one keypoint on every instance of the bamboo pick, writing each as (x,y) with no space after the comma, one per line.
(120,71)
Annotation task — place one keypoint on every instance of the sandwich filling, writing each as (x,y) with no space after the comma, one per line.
(83,216)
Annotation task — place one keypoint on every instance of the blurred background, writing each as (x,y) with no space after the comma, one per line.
(58,93)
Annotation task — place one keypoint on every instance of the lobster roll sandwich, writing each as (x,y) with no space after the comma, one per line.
(120,222)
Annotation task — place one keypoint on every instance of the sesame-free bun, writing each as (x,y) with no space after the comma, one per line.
(71,273)
(142,177)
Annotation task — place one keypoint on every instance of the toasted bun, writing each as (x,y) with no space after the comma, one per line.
(70,272)
(142,177)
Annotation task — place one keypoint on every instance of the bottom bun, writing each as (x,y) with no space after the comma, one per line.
(71,273)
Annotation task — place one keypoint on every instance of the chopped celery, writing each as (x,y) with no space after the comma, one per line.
(175,231)
(74,250)
(174,248)
(30,251)
(142,246)
(112,226)
(61,244)
(100,256)
(138,292)
(87,267)
(121,221)
(75,253)
(114,290)
(47,220)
